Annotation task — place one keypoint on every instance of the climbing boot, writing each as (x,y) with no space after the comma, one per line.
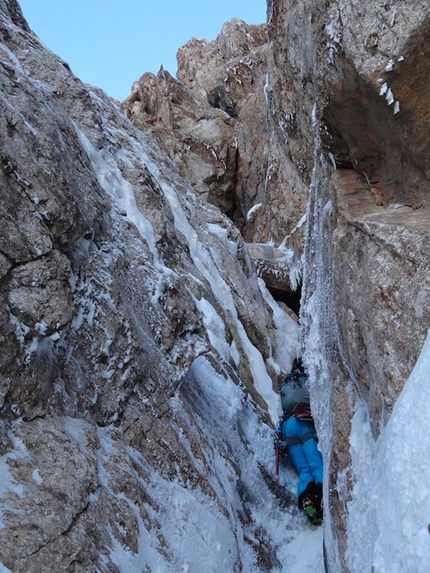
(319,502)
(311,511)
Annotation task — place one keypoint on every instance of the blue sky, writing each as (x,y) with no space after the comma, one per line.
(111,43)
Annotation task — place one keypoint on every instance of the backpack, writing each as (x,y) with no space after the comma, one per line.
(294,395)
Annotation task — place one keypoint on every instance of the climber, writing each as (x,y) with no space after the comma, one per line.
(297,437)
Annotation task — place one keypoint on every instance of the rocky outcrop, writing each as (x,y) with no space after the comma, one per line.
(357,137)
(213,123)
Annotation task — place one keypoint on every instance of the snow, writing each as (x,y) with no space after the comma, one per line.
(314,115)
(421,298)
(194,530)
(389,97)
(215,328)
(383,90)
(119,189)
(37,478)
(253,210)
(287,332)
(8,483)
(389,67)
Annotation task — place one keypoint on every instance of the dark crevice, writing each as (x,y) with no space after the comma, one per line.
(218,98)
(288,297)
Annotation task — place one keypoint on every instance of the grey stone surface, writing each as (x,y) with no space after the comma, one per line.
(111,269)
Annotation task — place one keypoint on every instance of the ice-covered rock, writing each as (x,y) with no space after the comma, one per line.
(366,164)
(139,352)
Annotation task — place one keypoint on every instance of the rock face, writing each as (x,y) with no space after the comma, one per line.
(360,143)
(214,123)
(123,293)
(123,296)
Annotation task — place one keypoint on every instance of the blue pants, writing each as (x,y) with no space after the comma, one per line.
(305,456)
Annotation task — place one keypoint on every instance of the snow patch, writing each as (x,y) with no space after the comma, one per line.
(287,332)
(37,478)
(8,484)
(389,67)
(253,210)
(419,304)
(119,189)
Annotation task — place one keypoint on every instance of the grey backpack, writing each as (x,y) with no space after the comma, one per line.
(294,395)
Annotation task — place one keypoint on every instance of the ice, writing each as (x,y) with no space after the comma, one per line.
(253,210)
(37,478)
(383,90)
(389,97)
(119,189)
(8,484)
(389,67)
(287,332)
(389,515)
(215,328)
(193,530)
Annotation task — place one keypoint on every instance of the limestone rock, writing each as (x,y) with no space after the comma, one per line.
(212,121)
(121,290)
(202,147)
(53,495)
(39,294)
(121,294)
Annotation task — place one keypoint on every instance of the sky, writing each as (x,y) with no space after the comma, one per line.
(110,44)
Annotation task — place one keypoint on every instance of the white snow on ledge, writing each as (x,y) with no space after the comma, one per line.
(253,210)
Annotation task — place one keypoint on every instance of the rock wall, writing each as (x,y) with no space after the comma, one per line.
(114,275)
(346,116)
(124,299)
(214,121)
(351,75)
(347,110)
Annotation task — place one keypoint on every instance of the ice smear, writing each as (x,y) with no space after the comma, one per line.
(383,89)
(193,529)
(215,328)
(253,210)
(287,332)
(8,483)
(119,189)
(390,511)
(205,264)
(37,478)
(389,97)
